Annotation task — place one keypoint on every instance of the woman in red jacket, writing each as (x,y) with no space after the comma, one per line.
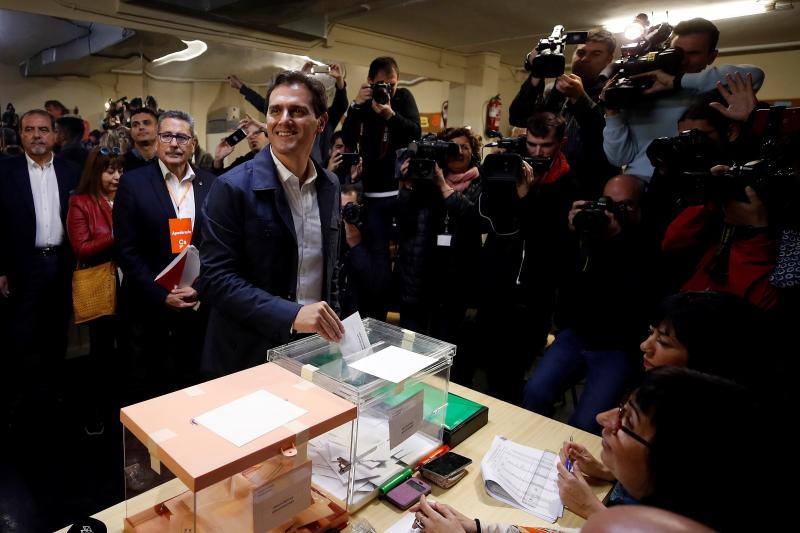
(91,236)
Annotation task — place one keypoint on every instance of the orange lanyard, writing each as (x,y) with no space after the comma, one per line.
(185,192)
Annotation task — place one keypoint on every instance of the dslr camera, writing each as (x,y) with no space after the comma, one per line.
(549,61)
(353,213)
(651,52)
(592,219)
(691,151)
(381,92)
(508,164)
(425,154)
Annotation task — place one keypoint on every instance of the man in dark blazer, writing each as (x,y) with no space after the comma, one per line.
(36,261)
(164,329)
(271,237)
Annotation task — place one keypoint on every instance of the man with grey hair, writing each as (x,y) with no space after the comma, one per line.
(575,97)
(156,216)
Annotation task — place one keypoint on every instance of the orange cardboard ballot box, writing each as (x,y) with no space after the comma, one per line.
(231,455)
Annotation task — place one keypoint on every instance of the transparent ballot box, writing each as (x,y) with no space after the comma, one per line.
(400,415)
(232,455)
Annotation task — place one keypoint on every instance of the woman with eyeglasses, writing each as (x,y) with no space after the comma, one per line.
(675,444)
(90,232)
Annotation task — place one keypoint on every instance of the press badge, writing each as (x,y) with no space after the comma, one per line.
(443,239)
(180,233)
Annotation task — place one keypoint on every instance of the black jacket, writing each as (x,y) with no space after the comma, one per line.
(142,209)
(379,139)
(131,161)
(419,217)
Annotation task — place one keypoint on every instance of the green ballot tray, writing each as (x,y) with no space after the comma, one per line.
(463,418)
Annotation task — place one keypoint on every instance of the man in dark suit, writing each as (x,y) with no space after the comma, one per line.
(165,332)
(36,261)
(271,237)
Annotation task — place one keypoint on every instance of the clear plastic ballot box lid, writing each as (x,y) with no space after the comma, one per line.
(400,415)
(230,454)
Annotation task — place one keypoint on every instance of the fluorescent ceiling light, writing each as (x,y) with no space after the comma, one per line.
(193,49)
(717,11)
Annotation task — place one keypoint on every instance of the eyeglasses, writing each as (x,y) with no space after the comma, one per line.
(106,151)
(166,138)
(632,434)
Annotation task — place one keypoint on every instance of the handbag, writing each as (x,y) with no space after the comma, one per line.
(94,291)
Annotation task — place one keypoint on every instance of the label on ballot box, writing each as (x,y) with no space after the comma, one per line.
(405,420)
(278,501)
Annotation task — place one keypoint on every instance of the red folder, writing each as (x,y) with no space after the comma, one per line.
(182,271)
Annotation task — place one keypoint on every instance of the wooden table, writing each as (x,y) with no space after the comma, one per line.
(468,496)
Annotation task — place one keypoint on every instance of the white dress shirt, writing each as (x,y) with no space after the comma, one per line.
(46,203)
(308,228)
(180,191)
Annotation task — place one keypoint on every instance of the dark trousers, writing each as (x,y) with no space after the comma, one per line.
(566,361)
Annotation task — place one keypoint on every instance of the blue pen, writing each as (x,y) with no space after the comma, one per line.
(568,464)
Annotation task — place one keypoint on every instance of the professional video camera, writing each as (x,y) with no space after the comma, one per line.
(592,220)
(651,52)
(116,113)
(381,92)
(774,175)
(427,152)
(690,151)
(549,61)
(352,213)
(508,164)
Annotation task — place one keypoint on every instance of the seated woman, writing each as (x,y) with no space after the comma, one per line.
(673,444)
(712,332)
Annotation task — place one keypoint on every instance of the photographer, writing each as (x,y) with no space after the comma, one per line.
(628,132)
(336,110)
(575,97)
(256,141)
(361,272)
(381,120)
(600,305)
(347,171)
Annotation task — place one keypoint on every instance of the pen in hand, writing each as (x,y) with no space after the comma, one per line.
(568,462)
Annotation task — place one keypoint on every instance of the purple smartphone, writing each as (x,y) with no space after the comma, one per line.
(407,493)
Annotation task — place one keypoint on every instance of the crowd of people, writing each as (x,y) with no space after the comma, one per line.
(588,241)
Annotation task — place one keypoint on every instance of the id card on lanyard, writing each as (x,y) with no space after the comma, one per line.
(180,229)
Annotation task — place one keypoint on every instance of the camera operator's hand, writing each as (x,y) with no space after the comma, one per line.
(337,74)
(248,121)
(4,291)
(383,110)
(610,112)
(364,94)
(576,206)
(235,82)
(307,67)
(527,180)
(356,170)
(570,86)
(752,213)
(335,161)
(319,318)
(223,150)
(529,59)
(740,97)
(661,81)
(441,183)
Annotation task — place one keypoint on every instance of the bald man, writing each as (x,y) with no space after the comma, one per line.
(601,308)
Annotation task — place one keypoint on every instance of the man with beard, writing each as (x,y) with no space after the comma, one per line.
(143,133)
(35,258)
(575,97)
(154,205)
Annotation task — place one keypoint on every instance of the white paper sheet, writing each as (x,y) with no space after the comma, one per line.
(392,364)
(355,336)
(249,417)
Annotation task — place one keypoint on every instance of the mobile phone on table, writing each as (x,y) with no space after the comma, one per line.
(408,493)
(236,137)
(446,470)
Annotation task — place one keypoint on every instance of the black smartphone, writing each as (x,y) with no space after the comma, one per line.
(447,465)
(236,137)
(349,159)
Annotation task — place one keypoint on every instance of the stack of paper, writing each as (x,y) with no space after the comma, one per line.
(523,477)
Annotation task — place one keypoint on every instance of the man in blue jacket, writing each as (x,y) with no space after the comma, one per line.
(630,131)
(271,237)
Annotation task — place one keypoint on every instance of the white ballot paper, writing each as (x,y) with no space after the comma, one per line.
(392,364)
(355,336)
(249,417)
(523,477)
